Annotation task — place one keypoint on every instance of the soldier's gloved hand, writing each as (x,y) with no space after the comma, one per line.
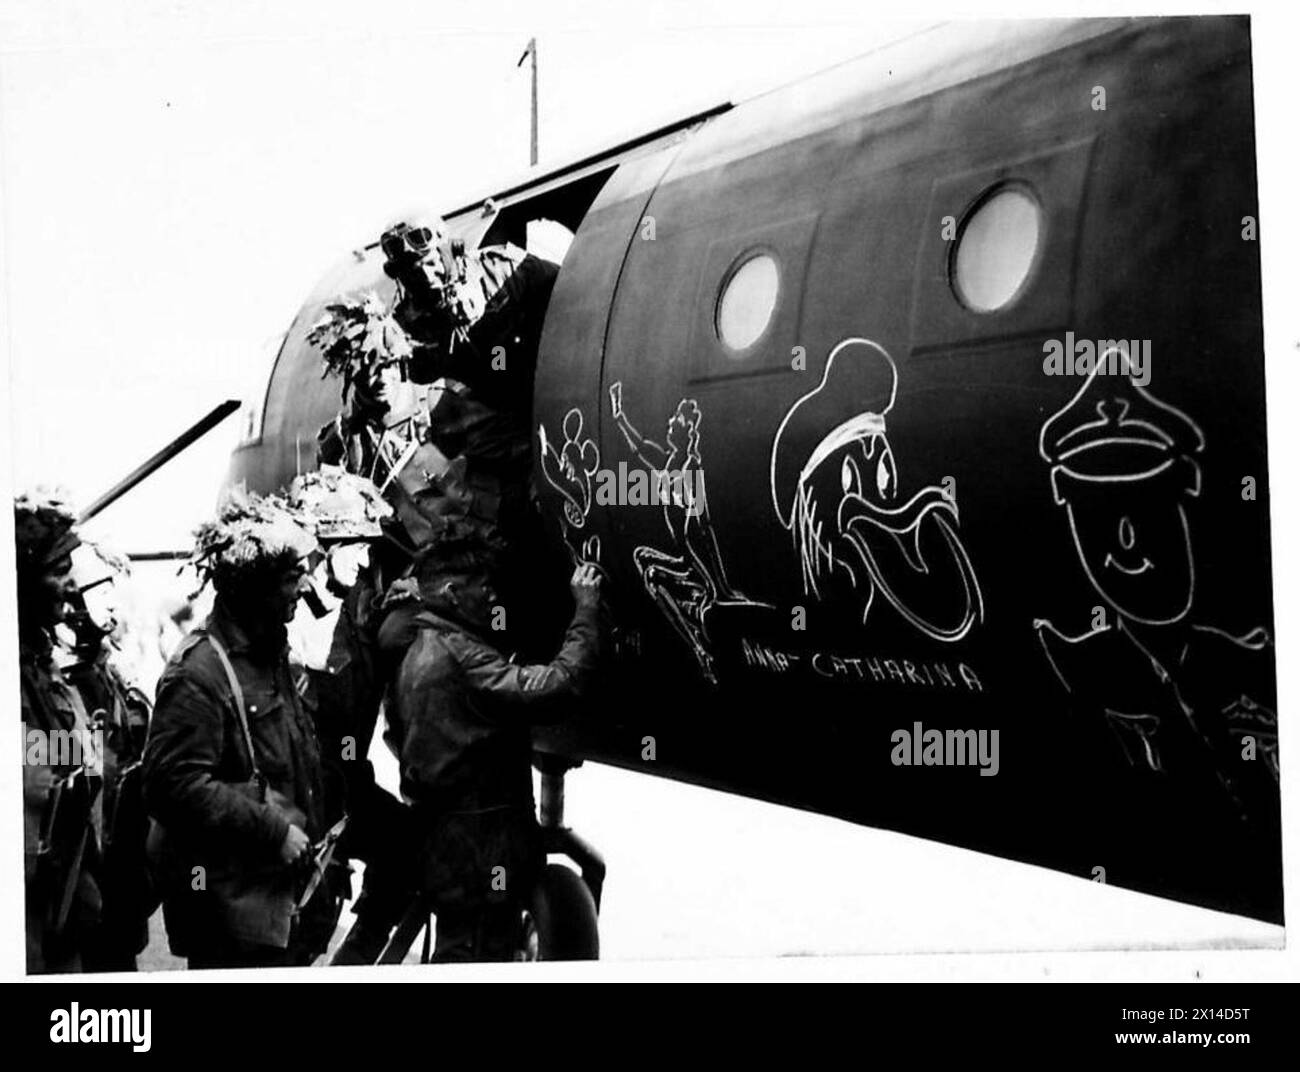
(295,846)
(585,584)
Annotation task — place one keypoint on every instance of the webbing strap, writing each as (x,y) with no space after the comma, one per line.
(224,659)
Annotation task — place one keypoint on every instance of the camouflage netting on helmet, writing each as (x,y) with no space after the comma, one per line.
(251,537)
(338,505)
(358,336)
(44,528)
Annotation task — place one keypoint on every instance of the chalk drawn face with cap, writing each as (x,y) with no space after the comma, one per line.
(1123,467)
(835,486)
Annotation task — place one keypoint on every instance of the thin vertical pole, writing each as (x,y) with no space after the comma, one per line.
(531,53)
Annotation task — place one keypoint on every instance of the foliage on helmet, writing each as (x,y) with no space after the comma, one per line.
(356,337)
(338,505)
(250,534)
(44,526)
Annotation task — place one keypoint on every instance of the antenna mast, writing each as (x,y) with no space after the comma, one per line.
(531,51)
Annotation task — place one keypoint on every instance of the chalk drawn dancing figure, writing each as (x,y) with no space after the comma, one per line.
(1181,698)
(839,499)
(688,582)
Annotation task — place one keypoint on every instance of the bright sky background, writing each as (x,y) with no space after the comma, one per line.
(175,179)
(167,209)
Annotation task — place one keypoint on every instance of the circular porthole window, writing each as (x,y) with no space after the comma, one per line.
(747,302)
(995,250)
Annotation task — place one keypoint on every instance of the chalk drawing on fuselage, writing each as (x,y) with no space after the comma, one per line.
(840,502)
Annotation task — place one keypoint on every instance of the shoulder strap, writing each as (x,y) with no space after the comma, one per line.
(224,659)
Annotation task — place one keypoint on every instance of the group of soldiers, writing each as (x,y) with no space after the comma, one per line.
(413,554)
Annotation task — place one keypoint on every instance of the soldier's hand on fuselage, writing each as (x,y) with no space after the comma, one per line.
(585,584)
(295,845)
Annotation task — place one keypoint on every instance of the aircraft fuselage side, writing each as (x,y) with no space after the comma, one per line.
(880,339)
